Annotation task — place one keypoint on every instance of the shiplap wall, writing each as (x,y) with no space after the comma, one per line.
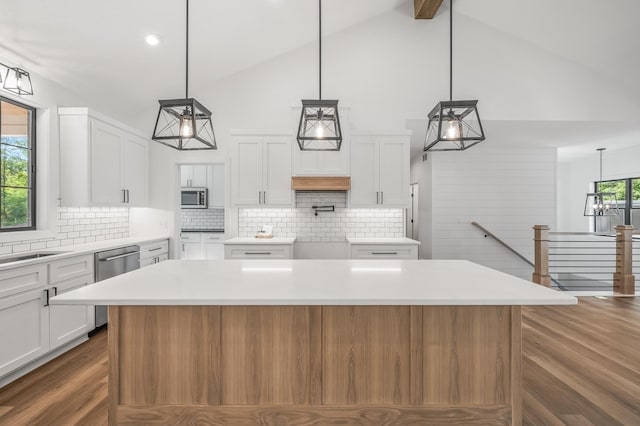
(505,189)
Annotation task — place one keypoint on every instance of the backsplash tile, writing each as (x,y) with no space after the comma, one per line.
(78,225)
(301,222)
(202,219)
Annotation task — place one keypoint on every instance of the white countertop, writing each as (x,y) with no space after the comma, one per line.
(315,282)
(382,241)
(71,251)
(254,240)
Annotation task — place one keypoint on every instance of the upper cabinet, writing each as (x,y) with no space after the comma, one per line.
(101,162)
(210,176)
(323,163)
(261,171)
(380,171)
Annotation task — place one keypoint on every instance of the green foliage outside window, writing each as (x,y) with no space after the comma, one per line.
(14,179)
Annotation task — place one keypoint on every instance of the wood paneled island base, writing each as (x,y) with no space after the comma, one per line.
(302,365)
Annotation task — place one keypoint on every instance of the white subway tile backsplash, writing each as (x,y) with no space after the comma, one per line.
(78,225)
(301,222)
(202,219)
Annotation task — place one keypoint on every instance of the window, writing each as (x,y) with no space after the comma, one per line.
(17,166)
(628,195)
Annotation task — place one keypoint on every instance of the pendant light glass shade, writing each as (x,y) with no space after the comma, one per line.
(18,81)
(453,126)
(601,203)
(184,124)
(319,128)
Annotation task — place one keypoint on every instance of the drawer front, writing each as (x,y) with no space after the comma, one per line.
(191,237)
(384,252)
(154,249)
(152,260)
(18,280)
(66,269)
(254,251)
(212,237)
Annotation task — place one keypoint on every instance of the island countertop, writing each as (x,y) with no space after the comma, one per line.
(315,282)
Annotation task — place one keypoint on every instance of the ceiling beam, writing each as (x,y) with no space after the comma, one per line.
(425,9)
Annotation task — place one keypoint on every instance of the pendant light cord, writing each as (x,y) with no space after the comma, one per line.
(450,50)
(186,89)
(319,49)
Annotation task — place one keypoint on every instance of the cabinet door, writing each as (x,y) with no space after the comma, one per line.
(136,171)
(199,179)
(106,171)
(186,175)
(213,251)
(67,322)
(24,329)
(192,251)
(394,171)
(215,176)
(148,261)
(364,172)
(276,182)
(248,172)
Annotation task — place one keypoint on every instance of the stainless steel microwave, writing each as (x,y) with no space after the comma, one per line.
(194,198)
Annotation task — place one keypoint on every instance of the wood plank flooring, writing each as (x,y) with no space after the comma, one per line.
(581,366)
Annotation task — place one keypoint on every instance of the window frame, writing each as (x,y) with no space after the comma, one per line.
(32,167)
(628,200)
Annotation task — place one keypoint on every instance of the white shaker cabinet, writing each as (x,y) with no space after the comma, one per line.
(379,171)
(24,316)
(154,252)
(215,183)
(262,171)
(193,175)
(102,163)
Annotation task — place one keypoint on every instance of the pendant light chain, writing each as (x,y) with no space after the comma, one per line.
(450,50)
(320,49)
(186,89)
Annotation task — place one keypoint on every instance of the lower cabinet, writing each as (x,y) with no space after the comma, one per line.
(384,251)
(29,326)
(258,251)
(202,245)
(154,252)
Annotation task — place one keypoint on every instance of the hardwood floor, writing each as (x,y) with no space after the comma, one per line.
(581,366)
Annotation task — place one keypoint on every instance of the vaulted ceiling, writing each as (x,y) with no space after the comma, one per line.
(97,48)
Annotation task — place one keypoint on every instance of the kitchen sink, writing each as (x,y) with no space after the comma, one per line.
(28,256)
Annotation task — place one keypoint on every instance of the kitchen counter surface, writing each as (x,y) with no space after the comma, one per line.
(71,251)
(395,241)
(253,240)
(315,282)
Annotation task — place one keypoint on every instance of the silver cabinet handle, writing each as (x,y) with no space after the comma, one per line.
(156,249)
(259,197)
(264,197)
(124,195)
(381,197)
(377,197)
(384,252)
(265,253)
(128,200)
(107,259)
(55,290)
(46,297)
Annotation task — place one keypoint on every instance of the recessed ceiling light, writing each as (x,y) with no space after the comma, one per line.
(152,40)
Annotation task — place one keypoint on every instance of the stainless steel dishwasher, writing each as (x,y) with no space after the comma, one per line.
(111,263)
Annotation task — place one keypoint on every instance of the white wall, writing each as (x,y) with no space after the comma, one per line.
(506,189)
(421,173)
(576,177)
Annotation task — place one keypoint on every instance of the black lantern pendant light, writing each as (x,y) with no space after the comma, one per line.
(17,81)
(184,124)
(319,128)
(453,125)
(601,203)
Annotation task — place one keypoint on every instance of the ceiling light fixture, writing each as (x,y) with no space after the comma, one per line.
(184,124)
(17,81)
(319,128)
(453,125)
(601,203)
(152,40)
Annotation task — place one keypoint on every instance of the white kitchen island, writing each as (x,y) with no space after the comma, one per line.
(315,341)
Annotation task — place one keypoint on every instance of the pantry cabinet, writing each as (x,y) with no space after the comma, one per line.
(102,163)
(379,171)
(262,171)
